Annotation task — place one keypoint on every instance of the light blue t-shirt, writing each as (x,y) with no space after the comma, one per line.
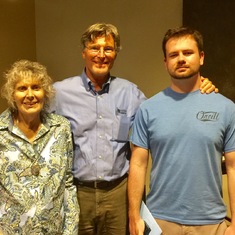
(100,123)
(187,135)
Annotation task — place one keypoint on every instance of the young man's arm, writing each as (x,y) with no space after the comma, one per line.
(230,168)
(136,184)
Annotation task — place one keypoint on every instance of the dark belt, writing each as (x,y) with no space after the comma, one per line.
(100,184)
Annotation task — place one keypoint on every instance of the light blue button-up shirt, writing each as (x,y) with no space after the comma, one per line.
(101,122)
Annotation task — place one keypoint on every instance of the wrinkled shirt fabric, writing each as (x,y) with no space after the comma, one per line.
(101,122)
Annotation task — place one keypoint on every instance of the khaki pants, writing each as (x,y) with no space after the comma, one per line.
(103,212)
(169,228)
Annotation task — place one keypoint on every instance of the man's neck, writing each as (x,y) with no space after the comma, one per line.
(186,85)
(98,81)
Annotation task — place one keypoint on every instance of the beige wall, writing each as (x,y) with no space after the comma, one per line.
(17,34)
(49,31)
(141,24)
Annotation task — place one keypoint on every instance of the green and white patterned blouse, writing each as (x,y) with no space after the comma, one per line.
(37,195)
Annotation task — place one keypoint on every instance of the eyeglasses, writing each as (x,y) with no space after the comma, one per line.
(96,50)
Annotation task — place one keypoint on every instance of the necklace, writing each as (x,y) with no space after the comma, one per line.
(35,169)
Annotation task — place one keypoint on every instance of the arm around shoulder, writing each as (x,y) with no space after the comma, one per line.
(207,86)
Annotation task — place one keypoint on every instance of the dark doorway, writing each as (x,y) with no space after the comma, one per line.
(216,21)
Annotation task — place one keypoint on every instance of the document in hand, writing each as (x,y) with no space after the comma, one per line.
(148,218)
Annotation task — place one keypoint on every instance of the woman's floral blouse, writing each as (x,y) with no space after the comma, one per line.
(37,195)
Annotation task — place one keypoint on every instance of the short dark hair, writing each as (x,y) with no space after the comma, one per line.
(181,32)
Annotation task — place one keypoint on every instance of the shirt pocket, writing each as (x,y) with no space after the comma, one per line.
(121,126)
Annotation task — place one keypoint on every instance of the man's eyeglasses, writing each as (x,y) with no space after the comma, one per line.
(97,50)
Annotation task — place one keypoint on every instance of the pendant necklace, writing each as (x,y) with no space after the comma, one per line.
(35,167)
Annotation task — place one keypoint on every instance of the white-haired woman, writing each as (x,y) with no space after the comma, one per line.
(36,183)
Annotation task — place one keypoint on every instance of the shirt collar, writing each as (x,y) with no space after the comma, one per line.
(6,120)
(89,87)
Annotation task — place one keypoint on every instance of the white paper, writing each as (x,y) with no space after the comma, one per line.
(148,218)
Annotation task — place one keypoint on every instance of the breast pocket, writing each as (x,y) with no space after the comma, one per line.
(121,126)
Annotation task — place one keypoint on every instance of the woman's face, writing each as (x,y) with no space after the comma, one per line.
(29,97)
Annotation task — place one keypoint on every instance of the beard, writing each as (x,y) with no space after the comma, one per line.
(181,76)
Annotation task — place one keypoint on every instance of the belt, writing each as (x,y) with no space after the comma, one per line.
(100,184)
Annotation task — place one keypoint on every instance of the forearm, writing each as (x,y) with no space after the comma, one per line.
(230,168)
(231,191)
(136,184)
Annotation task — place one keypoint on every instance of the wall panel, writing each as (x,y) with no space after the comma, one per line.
(17,34)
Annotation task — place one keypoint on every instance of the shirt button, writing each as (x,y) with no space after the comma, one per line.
(100,157)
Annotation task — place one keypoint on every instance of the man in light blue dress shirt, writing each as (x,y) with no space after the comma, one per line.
(101,109)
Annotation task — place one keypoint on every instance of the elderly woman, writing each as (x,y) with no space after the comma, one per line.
(37,195)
